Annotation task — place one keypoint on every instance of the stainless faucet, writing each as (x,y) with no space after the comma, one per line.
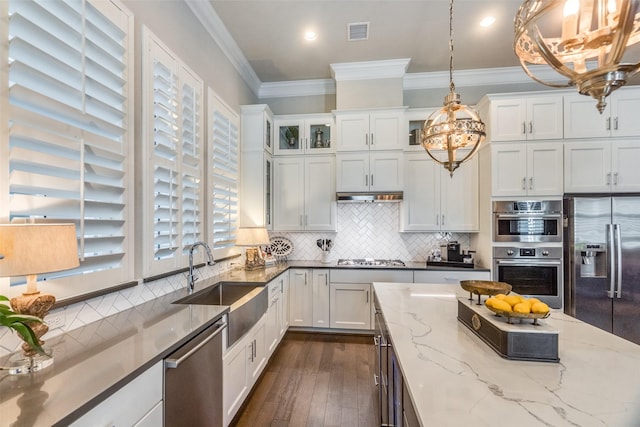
(191,278)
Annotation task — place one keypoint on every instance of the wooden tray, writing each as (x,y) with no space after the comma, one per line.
(484,287)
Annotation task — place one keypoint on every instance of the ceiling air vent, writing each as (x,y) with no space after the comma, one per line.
(357,31)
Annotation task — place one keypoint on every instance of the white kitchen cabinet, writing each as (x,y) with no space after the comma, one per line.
(435,201)
(304,134)
(369,171)
(602,166)
(256,195)
(320,304)
(305,193)
(619,118)
(137,402)
(274,315)
(449,277)
(350,305)
(284,321)
(242,364)
(527,169)
(414,121)
(525,117)
(370,130)
(300,297)
(256,124)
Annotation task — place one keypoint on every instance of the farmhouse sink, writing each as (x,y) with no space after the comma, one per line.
(247,302)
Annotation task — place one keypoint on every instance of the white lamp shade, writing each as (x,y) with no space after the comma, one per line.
(37,248)
(252,237)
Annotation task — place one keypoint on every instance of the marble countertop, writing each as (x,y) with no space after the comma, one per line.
(456,379)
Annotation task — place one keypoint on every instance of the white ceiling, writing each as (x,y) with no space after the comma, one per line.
(270,34)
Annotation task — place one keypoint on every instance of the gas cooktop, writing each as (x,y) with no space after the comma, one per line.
(370,262)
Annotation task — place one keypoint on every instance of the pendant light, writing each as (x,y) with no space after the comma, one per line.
(454,126)
(586,41)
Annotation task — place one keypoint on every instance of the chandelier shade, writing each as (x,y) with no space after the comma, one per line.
(593,44)
(455,126)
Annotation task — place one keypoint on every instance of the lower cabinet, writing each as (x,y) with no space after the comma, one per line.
(350,305)
(453,277)
(309,297)
(139,403)
(320,284)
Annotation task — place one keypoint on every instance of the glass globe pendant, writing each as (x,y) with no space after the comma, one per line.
(454,126)
(592,43)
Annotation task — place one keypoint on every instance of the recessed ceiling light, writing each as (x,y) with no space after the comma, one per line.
(310,36)
(487,21)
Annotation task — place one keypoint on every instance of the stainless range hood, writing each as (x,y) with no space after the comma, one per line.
(369,197)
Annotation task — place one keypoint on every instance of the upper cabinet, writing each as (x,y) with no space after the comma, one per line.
(525,117)
(530,169)
(620,117)
(256,128)
(304,134)
(373,130)
(435,201)
(413,122)
(377,171)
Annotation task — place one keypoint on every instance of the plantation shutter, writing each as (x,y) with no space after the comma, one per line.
(69,115)
(223,149)
(174,140)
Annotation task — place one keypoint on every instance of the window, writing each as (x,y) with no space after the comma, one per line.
(223,161)
(66,134)
(173,159)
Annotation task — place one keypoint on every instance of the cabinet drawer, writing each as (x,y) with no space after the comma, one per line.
(451,277)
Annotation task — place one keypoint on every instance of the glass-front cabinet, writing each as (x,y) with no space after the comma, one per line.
(304,134)
(415,119)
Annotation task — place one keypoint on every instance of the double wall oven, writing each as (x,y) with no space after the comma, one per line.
(527,250)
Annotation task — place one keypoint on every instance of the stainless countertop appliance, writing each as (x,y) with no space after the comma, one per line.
(602,247)
(193,381)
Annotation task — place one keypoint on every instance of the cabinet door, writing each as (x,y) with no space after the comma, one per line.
(421,205)
(351,305)
(284,283)
(259,358)
(289,199)
(508,119)
(289,137)
(321,298)
(544,117)
(385,171)
(235,375)
(508,167)
(300,298)
(625,166)
(319,134)
(583,120)
(320,193)
(449,277)
(352,171)
(255,191)
(273,316)
(256,128)
(587,167)
(385,130)
(353,131)
(625,104)
(459,197)
(544,169)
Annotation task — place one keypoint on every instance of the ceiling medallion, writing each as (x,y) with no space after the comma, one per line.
(586,41)
(454,126)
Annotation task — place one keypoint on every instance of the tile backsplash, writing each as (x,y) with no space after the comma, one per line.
(365,230)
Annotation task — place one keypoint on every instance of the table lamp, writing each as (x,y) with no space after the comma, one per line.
(253,237)
(29,250)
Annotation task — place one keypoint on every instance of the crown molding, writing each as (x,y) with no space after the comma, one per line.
(393,68)
(216,28)
(297,88)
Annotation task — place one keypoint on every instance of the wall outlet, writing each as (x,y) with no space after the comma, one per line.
(55,321)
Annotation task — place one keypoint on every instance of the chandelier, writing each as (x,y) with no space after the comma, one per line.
(454,126)
(586,41)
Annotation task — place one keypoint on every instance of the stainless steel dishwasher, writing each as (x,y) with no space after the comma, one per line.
(193,381)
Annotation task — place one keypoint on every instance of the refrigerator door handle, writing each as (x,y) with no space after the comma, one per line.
(618,292)
(612,264)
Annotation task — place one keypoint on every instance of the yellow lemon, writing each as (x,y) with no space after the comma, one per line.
(489,302)
(501,305)
(533,300)
(500,296)
(512,299)
(540,308)
(522,307)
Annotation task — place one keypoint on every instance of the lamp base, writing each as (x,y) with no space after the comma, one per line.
(254,260)
(19,364)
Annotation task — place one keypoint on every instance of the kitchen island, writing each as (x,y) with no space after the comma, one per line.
(453,378)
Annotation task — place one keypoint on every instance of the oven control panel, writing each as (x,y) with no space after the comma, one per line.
(519,252)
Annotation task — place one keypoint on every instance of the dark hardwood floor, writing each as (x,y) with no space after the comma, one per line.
(315,380)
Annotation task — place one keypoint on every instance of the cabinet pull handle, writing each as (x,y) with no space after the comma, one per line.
(609,179)
(531,127)
(524,128)
(443,219)
(326,280)
(375,380)
(174,363)
(615,124)
(615,178)
(437,219)
(366,138)
(371,138)
(530,183)
(301,220)
(608,123)
(366,180)
(367,297)
(372,180)
(524,183)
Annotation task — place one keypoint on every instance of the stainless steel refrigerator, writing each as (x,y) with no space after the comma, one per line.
(602,262)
